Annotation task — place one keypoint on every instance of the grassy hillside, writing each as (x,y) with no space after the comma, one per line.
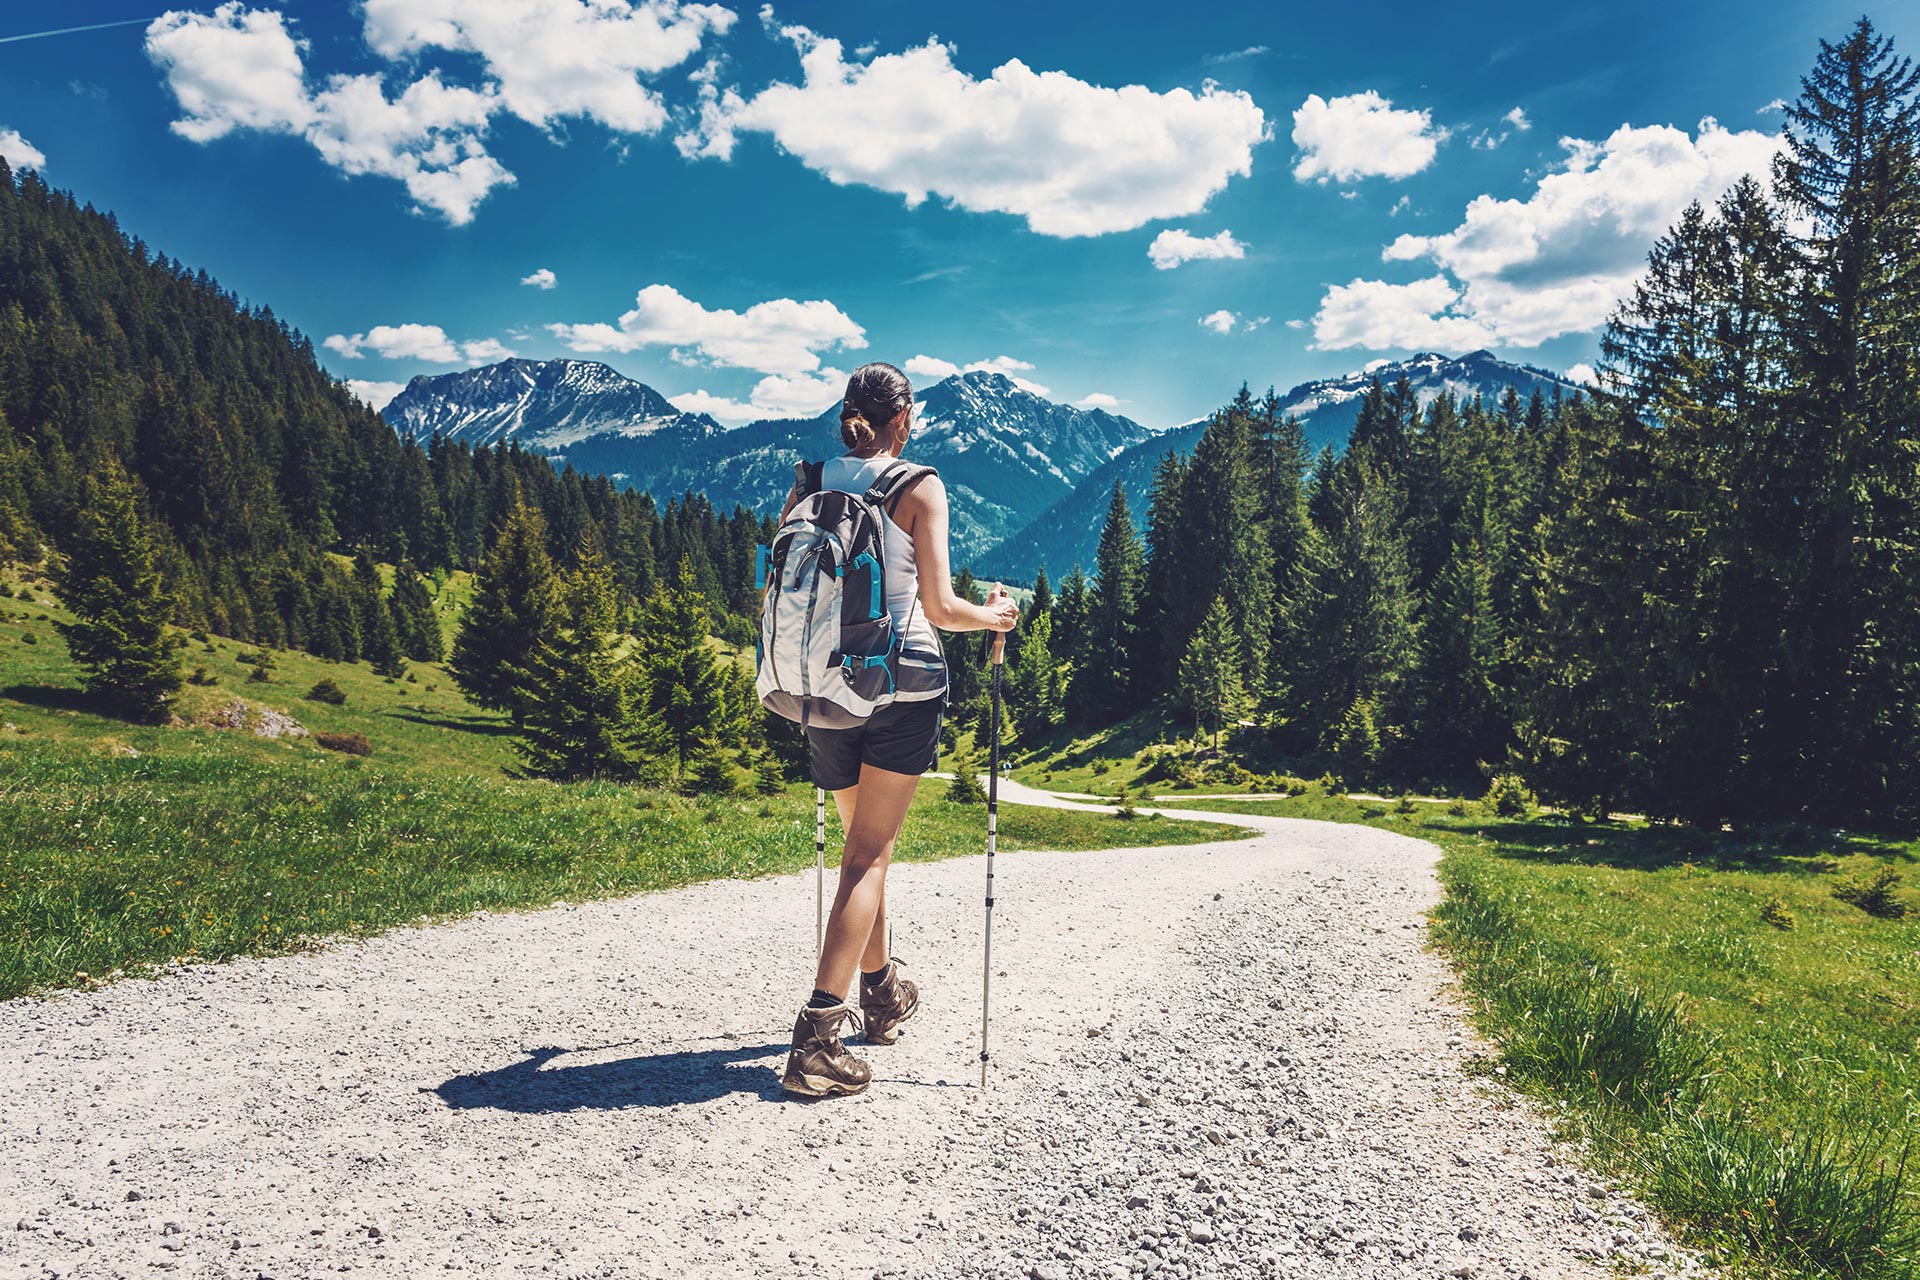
(128,847)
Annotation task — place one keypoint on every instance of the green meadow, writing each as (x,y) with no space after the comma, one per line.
(128,847)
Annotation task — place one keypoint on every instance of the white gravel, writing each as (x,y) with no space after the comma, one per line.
(1216,1060)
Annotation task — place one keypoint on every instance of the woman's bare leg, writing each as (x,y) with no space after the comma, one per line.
(858,903)
(875,956)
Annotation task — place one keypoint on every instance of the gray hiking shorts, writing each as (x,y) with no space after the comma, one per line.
(901,737)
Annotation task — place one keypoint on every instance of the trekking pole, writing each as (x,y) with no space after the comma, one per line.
(993,829)
(819,873)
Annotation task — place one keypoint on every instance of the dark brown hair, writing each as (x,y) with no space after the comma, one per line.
(876,393)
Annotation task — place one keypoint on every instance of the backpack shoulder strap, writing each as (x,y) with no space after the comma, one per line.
(806,479)
(891,485)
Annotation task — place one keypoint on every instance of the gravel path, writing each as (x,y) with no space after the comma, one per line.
(1225,1060)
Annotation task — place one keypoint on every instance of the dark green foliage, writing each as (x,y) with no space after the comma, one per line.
(328,691)
(685,694)
(109,579)
(578,685)
(414,618)
(379,636)
(515,594)
(353,744)
(1210,675)
(1035,690)
(965,787)
(769,775)
(1875,894)
(1105,620)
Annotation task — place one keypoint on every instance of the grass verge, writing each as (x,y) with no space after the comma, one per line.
(1731,1028)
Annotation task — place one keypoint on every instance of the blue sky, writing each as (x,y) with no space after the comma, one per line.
(1131,205)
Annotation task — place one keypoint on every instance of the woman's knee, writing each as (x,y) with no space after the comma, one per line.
(864,855)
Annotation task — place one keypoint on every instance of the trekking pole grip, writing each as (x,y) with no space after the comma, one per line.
(999,637)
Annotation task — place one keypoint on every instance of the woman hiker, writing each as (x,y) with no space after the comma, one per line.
(872,770)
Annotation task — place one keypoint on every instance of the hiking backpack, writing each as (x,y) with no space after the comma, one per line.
(828,653)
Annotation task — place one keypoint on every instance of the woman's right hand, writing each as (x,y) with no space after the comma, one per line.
(1004,608)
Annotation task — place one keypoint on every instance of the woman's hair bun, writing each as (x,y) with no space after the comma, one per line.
(876,393)
(855,430)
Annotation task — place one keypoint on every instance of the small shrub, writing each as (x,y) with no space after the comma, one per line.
(199,636)
(433,688)
(1331,784)
(1875,895)
(201,676)
(1457,807)
(1126,812)
(1508,797)
(769,775)
(965,787)
(30,638)
(713,776)
(1403,805)
(1774,912)
(254,658)
(353,744)
(1100,767)
(258,676)
(412,678)
(327,690)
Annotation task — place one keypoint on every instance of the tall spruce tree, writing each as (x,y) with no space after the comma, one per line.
(414,615)
(578,686)
(514,596)
(1851,175)
(1108,682)
(108,579)
(685,695)
(379,633)
(1035,684)
(1210,672)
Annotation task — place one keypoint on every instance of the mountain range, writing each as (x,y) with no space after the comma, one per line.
(1029,478)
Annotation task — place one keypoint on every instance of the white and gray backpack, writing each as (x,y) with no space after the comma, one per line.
(829,655)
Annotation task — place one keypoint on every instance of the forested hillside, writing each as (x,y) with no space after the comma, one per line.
(251,462)
(1696,594)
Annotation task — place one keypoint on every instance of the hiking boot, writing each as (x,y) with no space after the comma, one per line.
(820,1065)
(887,1004)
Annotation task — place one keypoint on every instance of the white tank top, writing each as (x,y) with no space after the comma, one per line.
(855,475)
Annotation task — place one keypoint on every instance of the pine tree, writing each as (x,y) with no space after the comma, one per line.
(1171,604)
(1356,633)
(1070,612)
(1042,594)
(513,602)
(1108,682)
(379,634)
(1851,175)
(1210,682)
(578,686)
(1033,683)
(108,579)
(414,615)
(1457,714)
(685,696)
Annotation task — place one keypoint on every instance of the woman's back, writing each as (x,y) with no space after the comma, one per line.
(851,474)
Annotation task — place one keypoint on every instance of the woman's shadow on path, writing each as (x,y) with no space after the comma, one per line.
(652,1080)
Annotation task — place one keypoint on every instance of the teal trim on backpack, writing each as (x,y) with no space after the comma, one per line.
(876,604)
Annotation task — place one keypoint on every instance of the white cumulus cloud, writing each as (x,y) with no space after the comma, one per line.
(19,153)
(552,59)
(240,68)
(541,279)
(1072,158)
(936,369)
(1219,321)
(424,342)
(1362,135)
(1373,313)
(1177,245)
(780,336)
(929,367)
(375,395)
(800,395)
(1584,374)
(1097,400)
(1522,271)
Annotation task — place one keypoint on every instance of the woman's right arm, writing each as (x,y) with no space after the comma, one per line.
(922,510)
